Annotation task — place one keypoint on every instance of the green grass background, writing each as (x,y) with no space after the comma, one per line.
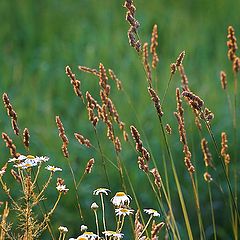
(39,38)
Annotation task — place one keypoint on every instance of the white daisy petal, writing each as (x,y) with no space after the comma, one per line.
(151,211)
(100,191)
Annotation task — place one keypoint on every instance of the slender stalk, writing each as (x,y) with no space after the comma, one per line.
(102,158)
(224,169)
(76,193)
(103,212)
(212,211)
(177,183)
(122,223)
(201,227)
(236,217)
(166,90)
(146,226)
(96,220)
(45,186)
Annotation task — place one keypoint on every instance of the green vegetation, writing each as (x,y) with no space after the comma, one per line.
(38,39)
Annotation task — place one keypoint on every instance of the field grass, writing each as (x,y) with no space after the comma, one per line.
(39,39)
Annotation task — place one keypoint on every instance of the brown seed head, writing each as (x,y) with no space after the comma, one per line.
(173,68)
(223,78)
(180,59)
(117,145)
(207,177)
(89,70)
(236,64)
(231,43)
(206,153)
(194,100)
(187,159)
(114,78)
(15,126)
(142,165)
(184,78)
(75,83)
(181,128)
(102,76)
(82,140)
(153,47)
(156,101)
(168,129)
(136,138)
(10,145)
(157,178)
(16,176)
(138,226)
(26,138)
(89,166)
(156,228)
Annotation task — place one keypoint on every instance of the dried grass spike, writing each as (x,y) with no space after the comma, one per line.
(223,78)
(89,166)
(117,145)
(206,153)
(157,178)
(180,58)
(102,76)
(114,78)
(10,145)
(156,101)
(173,68)
(207,177)
(89,70)
(168,129)
(153,47)
(26,138)
(75,83)
(231,43)
(15,126)
(16,176)
(156,229)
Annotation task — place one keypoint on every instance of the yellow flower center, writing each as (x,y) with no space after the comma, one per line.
(120,194)
(124,210)
(30,157)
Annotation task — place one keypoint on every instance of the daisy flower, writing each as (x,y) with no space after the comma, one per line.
(121,199)
(94,206)
(28,163)
(90,235)
(83,228)
(151,211)
(63,229)
(123,211)
(41,159)
(62,188)
(100,191)
(53,169)
(113,234)
(19,158)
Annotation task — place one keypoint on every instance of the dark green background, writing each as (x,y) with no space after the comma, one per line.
(39,38)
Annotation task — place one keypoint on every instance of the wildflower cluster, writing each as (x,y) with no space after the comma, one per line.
(121,203)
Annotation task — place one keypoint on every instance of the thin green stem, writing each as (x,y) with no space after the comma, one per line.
(102,158)
(103,212)
(224,169)
(146,226)
(212,211)
(76,193)
(96,220)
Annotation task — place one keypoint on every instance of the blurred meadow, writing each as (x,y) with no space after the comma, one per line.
(38,39)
